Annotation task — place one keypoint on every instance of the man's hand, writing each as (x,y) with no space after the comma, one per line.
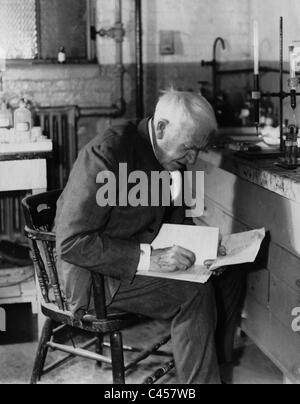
(208,263)
(171,259)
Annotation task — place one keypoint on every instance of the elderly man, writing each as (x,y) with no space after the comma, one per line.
(115,240)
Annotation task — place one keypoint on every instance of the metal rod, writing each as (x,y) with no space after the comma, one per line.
(38,29)
(215,66)
(281,86)
(59,362)
(112,112)
(88,29)
(256,99)
(139,60)
(119,107)
(118,24)
(79,352)
(118,11)
(250,70)
(282,95)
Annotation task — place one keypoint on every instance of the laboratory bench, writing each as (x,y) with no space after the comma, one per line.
(240,195)
(22,171)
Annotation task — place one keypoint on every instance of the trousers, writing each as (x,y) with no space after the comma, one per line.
(203,319)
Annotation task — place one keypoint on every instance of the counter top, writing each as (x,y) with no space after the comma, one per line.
(260,172)
(25,156)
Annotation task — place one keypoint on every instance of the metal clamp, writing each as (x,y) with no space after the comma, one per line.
(256,95)
(117,32)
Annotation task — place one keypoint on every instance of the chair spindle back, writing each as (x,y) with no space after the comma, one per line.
(39,211)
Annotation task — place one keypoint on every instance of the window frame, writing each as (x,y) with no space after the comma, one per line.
(90,44)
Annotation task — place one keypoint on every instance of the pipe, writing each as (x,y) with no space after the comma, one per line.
(250,70)
(118,108)
(214,64)
(139,60)
(88,29)
(221,40)
(215,68)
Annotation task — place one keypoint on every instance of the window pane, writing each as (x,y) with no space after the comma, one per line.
(63,23)
(18,30)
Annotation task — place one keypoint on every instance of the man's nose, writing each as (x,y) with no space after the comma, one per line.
(192,157)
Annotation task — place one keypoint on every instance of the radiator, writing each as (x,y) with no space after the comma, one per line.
(60,125)
(11,218)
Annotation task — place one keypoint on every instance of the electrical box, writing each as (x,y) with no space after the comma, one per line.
(167,43)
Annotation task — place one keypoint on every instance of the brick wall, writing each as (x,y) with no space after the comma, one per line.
(52,85)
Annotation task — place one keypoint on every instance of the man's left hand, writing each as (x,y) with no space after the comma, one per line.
(208,263)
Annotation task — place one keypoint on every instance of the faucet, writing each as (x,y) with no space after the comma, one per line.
(215,65)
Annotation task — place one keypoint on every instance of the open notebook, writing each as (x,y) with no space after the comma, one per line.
(204,241)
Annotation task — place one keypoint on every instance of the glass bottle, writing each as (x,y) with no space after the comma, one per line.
(22,118)
(5,116)
(62,57)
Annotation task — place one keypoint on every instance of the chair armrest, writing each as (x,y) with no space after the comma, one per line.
(39,235)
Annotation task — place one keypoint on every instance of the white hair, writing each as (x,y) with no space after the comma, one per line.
(185,108)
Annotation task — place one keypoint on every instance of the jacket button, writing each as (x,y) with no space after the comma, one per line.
(151,231)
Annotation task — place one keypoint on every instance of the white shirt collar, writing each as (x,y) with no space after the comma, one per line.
(151,134)
(176,187)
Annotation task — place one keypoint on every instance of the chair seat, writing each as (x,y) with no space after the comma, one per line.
(114,321)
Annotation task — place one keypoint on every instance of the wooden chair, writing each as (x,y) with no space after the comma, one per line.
(39,211)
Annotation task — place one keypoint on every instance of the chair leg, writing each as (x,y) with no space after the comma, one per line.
(117,357)
(99,348)
(42,351)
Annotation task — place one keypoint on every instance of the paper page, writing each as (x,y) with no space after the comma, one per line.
(240,248)
(197,273)
(202,241)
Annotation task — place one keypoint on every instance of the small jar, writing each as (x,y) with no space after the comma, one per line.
(22,118)
(62,57)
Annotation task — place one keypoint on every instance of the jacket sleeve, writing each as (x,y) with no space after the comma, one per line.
(80,226)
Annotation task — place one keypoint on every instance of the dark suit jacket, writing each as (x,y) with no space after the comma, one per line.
(105,240)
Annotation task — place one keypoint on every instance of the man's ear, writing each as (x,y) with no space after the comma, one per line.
(161,126)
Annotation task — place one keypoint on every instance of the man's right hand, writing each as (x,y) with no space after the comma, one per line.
(171,259)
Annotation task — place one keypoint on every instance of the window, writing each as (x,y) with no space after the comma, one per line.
(18,29)
(37,29)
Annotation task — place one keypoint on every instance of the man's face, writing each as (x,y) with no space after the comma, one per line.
(178,146)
